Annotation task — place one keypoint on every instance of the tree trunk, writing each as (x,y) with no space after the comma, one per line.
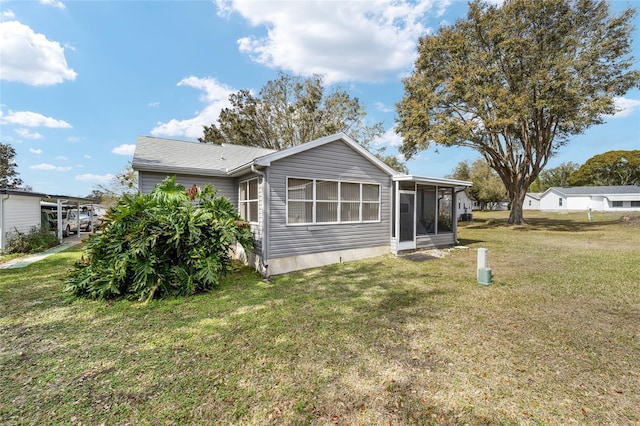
(517,200)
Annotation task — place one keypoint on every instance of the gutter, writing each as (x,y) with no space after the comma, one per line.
(265,216)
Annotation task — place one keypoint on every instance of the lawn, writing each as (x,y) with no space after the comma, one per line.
(554,340)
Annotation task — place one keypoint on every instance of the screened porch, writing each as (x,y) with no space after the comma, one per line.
(424,213)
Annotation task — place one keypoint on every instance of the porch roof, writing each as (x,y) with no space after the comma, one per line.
(425,180)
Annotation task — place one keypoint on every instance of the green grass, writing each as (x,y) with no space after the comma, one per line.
(554,340)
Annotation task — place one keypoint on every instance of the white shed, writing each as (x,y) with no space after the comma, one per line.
(19,211)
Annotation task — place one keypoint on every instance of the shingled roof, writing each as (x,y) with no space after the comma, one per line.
(177,156)
(597,190)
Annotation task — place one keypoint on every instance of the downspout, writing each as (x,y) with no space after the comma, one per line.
(265,216)
(2,227)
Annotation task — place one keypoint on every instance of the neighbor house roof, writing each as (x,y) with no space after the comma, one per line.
(10,191)
(596,190)
(176,156)
(535,195)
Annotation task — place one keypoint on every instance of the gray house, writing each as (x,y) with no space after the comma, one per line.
(322,202)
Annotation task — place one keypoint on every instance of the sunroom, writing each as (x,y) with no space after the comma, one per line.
(424,213)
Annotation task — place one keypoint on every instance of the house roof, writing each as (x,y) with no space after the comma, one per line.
(177,156)
(596,190)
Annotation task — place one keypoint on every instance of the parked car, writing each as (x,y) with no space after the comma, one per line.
(70,221)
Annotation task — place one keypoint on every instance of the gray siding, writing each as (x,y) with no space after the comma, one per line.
(226,186)
(334,161)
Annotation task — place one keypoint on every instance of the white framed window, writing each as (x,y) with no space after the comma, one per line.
(319,201)
(249,200)
(617,204)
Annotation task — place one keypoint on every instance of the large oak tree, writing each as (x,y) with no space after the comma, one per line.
(291,110)
(609,168)
(516,82)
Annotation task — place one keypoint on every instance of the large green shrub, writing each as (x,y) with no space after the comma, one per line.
(171,242)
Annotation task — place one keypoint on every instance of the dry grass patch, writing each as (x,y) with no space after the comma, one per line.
(554,340)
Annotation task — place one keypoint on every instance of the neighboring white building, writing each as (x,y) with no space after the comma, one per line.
(597,198)
(19,211)
(532,201)
(466,205)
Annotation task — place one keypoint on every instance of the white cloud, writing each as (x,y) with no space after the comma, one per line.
(54,3)
(625,107)
(382,107)
(87,156)
(32,119)
(124,149)
(153,104)
(88,177)
(390,138)
(35,151)
(25,133)
(46,166)
(215,97)
(7,14)
(61,158)
(31,58)
(343,41)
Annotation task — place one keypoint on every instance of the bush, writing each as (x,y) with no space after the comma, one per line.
(171,242)
(36,240)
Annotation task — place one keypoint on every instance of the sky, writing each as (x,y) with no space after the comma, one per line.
(81,80)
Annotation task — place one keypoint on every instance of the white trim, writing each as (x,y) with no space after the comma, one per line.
(411,244)
(339,201)
(249,200)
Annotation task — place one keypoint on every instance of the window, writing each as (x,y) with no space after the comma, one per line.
(529,203)
(616,204)
(326,201)
(370,202)
(249,200)
(560,202)
(300,200)
(635,204)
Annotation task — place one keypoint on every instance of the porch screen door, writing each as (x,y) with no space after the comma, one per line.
(407,216)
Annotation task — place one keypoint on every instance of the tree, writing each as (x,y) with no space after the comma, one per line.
(488,190)
(610,168)
(8,174)
(291,110)
(516,81)
(125,182)
(557,176)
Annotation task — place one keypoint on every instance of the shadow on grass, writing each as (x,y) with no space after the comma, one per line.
(536,224)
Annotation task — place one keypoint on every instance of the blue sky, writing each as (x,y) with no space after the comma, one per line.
(80,80)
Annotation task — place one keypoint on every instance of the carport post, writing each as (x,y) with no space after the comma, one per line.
(59,217)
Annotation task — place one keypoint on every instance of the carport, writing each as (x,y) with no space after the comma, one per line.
(74,202)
